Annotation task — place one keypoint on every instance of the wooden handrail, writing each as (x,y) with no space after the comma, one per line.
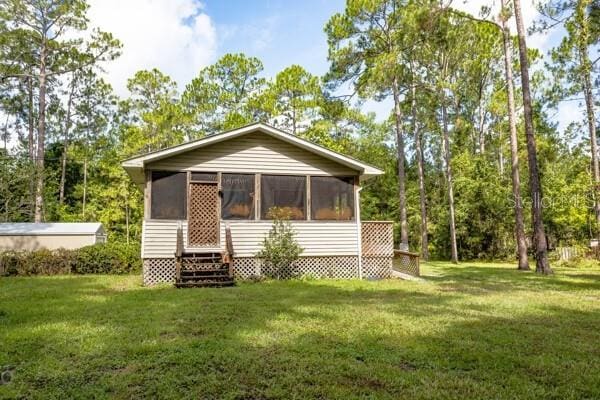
(229,241)
(179,242)
(178,252)
(406,253)
(229,247)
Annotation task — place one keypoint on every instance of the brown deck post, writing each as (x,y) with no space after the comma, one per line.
(178,252)
(230,253)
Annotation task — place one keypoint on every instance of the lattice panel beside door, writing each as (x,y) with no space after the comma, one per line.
(203,215)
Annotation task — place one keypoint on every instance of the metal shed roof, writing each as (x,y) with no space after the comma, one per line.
(50,228)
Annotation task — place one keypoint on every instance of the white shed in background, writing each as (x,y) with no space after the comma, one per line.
(51,236)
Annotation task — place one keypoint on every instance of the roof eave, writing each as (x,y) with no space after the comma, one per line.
(135,166)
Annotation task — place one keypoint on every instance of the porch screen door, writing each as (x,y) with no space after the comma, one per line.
(203,214)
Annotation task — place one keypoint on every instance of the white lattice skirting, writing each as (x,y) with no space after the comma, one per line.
(159,270)
(162,270)
(375,267)
(344,267)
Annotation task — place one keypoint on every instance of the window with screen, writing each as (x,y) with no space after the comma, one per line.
(237,200)
(284,194)
(168,195)
(331,198)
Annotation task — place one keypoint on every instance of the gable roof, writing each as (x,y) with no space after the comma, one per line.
(135,166)
(50,228)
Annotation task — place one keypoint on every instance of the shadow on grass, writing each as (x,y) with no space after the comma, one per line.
(507,277)
(89,337)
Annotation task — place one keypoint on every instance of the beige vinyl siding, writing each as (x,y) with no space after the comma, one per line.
(160,238)
(317,238)
(253,153)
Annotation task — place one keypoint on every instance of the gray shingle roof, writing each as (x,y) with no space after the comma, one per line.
(50,228)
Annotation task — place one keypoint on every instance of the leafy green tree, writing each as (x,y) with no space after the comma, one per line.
(572,68)
(155,118)
(417,126)
(336,125)
(458,84)
(523,262)
(16,193)
(221,96)
(95,111)
(46,33)
(367,44)
(294,98)
(541,244)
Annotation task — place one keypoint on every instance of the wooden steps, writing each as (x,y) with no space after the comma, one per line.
(204,284)
(203,270)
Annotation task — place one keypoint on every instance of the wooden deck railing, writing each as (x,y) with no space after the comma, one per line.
(407,262)
(378,254)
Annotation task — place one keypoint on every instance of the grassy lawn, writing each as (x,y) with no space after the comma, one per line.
(468,331)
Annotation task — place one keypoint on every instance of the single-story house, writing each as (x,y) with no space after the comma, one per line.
(218,193)
(51,236)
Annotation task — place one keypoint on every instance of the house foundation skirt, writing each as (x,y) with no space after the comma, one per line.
(162,270)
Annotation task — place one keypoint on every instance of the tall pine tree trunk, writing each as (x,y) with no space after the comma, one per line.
(586,67)
(541,245)
(447,158)
(523,262)
(63,167)
(31,143)
(30,127)
(127,217)
(5,133)
(401,173)
(481,125)
(39,187)
(501,162)
(85,173)
(421,176)
(591,120)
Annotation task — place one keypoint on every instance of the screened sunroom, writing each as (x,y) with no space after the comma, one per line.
(220,194)
(255,197)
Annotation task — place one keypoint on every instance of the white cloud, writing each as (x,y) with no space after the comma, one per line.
(174,36)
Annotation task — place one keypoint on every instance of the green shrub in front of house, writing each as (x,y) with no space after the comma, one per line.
(103,258)
(280,248)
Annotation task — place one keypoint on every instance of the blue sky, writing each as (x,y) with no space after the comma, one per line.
(179,37)
(278,32)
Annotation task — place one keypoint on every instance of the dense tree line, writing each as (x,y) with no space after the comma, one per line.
(475,164)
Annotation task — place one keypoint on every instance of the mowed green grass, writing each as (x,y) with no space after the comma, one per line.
(470,331)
